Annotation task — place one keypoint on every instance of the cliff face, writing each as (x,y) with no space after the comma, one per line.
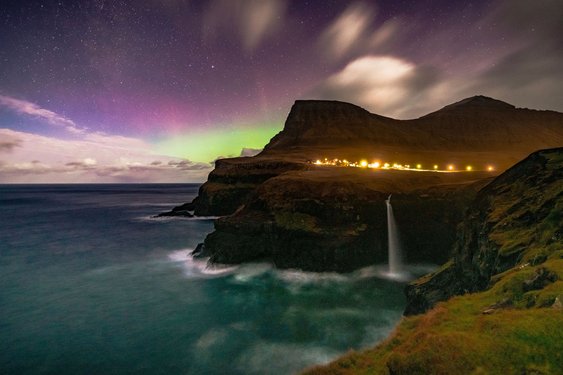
(502,292)
(278,208)
(313,123)
(233,180)
(517,219)
(315,221)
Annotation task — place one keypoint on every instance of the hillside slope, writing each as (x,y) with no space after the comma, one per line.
(507,274)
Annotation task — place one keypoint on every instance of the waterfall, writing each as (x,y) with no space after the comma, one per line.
(395,266)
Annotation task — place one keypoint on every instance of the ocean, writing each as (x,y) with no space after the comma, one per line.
(92,283)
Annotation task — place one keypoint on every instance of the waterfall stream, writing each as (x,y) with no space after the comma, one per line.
(394,249)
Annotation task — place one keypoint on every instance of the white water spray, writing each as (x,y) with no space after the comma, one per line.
(395,265)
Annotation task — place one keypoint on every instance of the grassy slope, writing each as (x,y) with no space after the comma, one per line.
(523,336)
(457,338)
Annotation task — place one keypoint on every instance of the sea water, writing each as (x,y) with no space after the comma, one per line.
(91,283)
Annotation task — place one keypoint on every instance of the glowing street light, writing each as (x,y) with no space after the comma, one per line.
(363,163)
(450,167)
(435,166)
(418,166)
(490,168)
(468,168)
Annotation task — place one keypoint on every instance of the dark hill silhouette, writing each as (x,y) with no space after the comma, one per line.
(495,129)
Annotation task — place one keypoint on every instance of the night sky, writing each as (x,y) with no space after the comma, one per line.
(156,90)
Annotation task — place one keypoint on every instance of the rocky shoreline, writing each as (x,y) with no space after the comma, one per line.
(496,305)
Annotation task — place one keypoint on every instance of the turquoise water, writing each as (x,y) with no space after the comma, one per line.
(90,283)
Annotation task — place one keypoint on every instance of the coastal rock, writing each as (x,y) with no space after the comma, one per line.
(185,210)
(199,251)
(321,221)
(233,180)
(511,222)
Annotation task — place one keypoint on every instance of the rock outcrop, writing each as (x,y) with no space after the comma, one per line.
(501,293)
(318,221)
(515,220)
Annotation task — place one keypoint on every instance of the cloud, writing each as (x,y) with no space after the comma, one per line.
(525,70)
(87,163)
(250,151)
(385,34)
(382,84)
(530,74)
(7,145)
(31,109)
(187,165)
(253,20)
(95,158)
(347,31)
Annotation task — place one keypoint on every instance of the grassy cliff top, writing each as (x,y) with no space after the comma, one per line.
(513,326)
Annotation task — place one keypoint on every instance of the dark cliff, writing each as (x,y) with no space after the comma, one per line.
(317,221)
(515,220)
(501,294)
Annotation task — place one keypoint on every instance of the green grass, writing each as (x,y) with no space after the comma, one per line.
(457,338)
(470,335)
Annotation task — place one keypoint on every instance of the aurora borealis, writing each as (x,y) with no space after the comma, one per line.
(156,90)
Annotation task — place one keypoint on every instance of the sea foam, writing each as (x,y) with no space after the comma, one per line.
(198,267)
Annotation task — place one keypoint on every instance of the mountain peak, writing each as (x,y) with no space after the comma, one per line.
(478,101)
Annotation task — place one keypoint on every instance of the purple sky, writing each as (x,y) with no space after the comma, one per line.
(155,90)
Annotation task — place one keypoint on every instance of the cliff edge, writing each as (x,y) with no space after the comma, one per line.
(501,294)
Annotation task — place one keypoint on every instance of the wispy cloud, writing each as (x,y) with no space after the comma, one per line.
(31,109)
(94,158)
(7,145)
(526,72)
(382,84)
(253,20)
(347,32)
(89,157)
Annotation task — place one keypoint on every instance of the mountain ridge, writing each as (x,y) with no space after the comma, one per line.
(477,123)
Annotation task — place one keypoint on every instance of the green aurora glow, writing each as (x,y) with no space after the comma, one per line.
(206,146)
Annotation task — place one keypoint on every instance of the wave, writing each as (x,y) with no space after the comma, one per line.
(248,272)
(199,268)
